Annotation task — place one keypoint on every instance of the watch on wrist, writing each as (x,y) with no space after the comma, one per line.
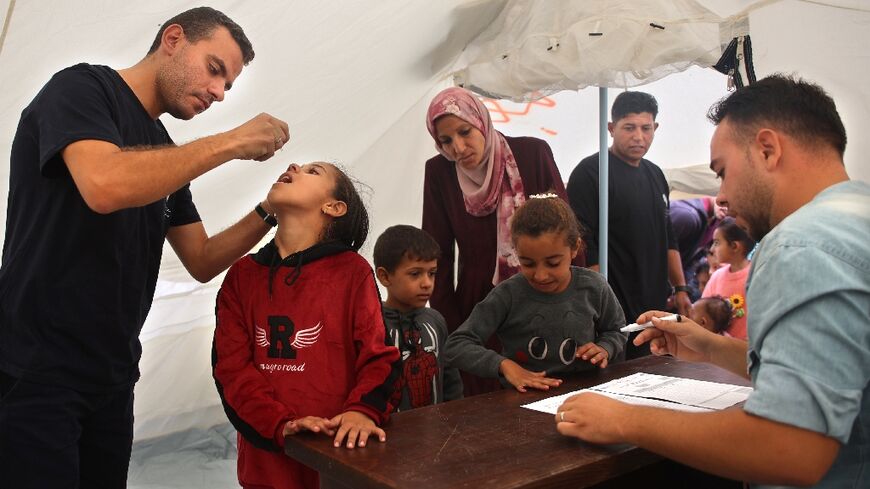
(682,288)
(267,218)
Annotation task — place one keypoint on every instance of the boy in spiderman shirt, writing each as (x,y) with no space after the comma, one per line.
(406,261)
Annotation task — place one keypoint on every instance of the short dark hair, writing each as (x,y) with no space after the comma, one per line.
(545,215)
(633,103)
(200,22)
(352,228)
(719,309)
(801,109)
(734,233)
(400,241)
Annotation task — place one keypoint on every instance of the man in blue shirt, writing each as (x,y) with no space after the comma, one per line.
(778,150)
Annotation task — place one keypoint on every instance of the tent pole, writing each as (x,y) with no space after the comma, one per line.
(6,24)
(603,174)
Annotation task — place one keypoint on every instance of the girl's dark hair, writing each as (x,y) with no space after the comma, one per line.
(734,233)
(546,215)
(352,228)
(720,311)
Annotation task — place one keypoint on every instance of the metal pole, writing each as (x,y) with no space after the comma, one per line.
(603,174)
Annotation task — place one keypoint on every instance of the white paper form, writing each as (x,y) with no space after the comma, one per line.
(659,391)
(551,404)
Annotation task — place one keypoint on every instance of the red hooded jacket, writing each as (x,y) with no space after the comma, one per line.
(303,336)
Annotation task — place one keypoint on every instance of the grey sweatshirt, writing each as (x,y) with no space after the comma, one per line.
(539,331)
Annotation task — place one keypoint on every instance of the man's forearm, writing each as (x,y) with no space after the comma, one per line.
(682,301)
(111,178)
(730,353)
(733,444)
(206,257)
(675,268)
(227,246)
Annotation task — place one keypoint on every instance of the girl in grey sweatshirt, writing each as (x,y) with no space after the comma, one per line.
(552,318)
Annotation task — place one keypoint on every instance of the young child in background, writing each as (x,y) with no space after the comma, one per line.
(712,313)
(406,260)
(702,274)
(551,318)
(712,262)
(731,245)
(299,343)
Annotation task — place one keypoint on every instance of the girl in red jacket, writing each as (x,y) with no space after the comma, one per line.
(299,343)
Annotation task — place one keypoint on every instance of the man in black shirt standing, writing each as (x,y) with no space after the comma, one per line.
(643,255)
(96,185)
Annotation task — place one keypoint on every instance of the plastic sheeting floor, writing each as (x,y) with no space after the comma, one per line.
(193,459)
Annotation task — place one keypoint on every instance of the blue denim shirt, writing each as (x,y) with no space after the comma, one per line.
(809,326)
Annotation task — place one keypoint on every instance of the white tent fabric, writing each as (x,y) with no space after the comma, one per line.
(568,121)
(353,80)
(539,47)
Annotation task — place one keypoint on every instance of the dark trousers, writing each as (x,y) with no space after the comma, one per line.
(57,437)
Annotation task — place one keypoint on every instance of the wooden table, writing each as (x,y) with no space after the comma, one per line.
(490,441)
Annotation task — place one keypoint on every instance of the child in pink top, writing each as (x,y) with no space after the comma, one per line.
(731,245)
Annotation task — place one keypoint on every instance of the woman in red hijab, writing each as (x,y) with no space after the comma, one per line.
(469,195)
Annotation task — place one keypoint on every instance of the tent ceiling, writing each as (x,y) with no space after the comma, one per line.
(535,48)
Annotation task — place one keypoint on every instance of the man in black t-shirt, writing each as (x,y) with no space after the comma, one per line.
(643,256)
(96,186)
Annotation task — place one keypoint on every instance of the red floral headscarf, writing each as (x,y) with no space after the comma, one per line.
(501,188)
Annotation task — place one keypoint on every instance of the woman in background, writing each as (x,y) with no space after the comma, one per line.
(470,193)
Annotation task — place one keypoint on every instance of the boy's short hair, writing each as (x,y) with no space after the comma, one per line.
(719,310)
(401,240)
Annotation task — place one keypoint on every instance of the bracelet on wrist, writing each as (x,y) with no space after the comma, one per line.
(682,288)
(267,218)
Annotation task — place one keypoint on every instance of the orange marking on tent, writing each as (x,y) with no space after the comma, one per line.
(502,115)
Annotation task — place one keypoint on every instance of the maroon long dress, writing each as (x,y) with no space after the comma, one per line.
(445,218)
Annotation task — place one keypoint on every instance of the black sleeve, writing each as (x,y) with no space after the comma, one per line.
(183,210)
(73,106)
(673,244)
